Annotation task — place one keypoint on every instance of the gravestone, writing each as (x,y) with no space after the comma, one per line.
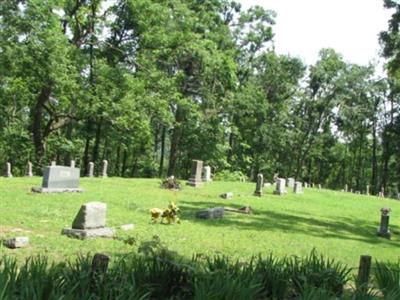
(280,187)
(207,174)
(367,192)
(305,185)
(90,222)
(72,163)
(290,182)
(298,188)
(383,230)
(195,177)
(211,213)
(259,185)
(90,169)
(319,186)
(346,188)
(383,192)
(267,184)
(358,192)
(53,163)
(104,171)
(228,195)
(17,242)
(8,170)
(30,173)
(58,179)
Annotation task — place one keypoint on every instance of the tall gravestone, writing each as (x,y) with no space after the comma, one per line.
(207,173)
(53,163)
(72,163)
(90,222)
(195,179)
(383,230)
(280,187)
(30,173)
(90,169)
(298,188)
(57,179)
(104,171)
(305,185)
(367,191)
(259,185)
(290,182)
(8,170)
(346,188)
(319,186)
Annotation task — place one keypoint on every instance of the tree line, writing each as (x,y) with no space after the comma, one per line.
(150,85)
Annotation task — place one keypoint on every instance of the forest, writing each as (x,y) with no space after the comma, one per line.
(151,85)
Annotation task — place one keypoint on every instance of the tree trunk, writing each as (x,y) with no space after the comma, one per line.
(374,172)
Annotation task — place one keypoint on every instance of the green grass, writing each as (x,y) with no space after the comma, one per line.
(339,225)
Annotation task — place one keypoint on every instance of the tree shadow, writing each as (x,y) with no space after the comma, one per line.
(344,228)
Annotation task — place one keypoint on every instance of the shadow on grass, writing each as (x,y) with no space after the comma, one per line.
(344,228)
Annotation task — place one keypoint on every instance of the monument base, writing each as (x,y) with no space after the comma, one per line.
(82,234)
(386,235)
(56,190)
(194,183)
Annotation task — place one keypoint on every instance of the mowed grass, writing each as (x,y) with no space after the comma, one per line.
(339,225)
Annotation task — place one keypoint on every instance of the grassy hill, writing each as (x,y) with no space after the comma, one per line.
(339,225)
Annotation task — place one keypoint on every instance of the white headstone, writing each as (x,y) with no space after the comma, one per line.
(8,170)
(298,188)
(30,173)
(90,169)
(290,182)
(105,166)
(72,164)
(53,163)
(280,187)
(207,174)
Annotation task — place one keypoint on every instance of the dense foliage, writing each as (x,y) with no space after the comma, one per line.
(150,85)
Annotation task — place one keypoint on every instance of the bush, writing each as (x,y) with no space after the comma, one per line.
(227,175)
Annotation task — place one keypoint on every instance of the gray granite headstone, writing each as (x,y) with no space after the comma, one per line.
(30,173)
(90,169)
(195,179)
(259,185)
(8,170)
(290,182)
(207,173)
(90,222)
(105,166)
(280,187)
(211,213)
(59,179)
(383,230)
(298,188)
(367,191)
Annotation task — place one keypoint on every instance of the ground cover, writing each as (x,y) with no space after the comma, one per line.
(339,225)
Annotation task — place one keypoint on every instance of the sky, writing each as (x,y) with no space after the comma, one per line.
(351,27)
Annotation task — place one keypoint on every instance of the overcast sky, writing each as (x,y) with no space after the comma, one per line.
(351,27)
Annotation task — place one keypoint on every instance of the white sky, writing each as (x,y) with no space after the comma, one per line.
(351,27)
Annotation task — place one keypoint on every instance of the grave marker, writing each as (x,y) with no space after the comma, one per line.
(280,187)
(57,179)
(90,169)
(290,182)
(195,177)
(104,171)
(8,170)
(207,174)
(298,188)
(383,230)
(30,173)
(259,185)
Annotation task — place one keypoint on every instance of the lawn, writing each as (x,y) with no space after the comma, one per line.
(339,225)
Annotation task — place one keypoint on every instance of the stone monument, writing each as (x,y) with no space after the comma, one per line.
(8,170)
(280,187)
(383,230)
(30,173)
(72,163)
(259,185)
(90,222)
(90,169)
(195,177)
(58,179)
(290,182)
(298,188)
(104,171)
(207,174)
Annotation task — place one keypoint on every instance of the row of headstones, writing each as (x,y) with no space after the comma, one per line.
(8,172)
(199,174)
(281,185)
(380,194)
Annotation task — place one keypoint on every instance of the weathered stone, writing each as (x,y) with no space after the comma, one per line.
(91,215)
(30,173)
(259,185)
(90,169)
(211,213)
(89,233)
(59,179)
(8,170)
(53,163)
(195,179)
(298,188)
(383,230)
(290,182)
(72,163)
(127,227)
(104,171)
(305,184)
(17,242)
(207,174)
(228,195)
(346,188)
(367,190)
(280,187)
(319,186)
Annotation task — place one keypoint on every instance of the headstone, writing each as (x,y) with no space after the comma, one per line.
(72,164)
(290,182)
(53,163)
(305,184)
(380,194)
(357,192)
(211,213)
(280,187)
(267,184)
(383,192)
(346,188)
(319,186)
(30,173)
(298,188)
(207,174)
(351,190)
(57,179)
(90,222)
(195,177)
(228,195)
(104,171)
(383,230)
(8,170)
(367,192)
(259,185)
(17,242)
(90,169)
